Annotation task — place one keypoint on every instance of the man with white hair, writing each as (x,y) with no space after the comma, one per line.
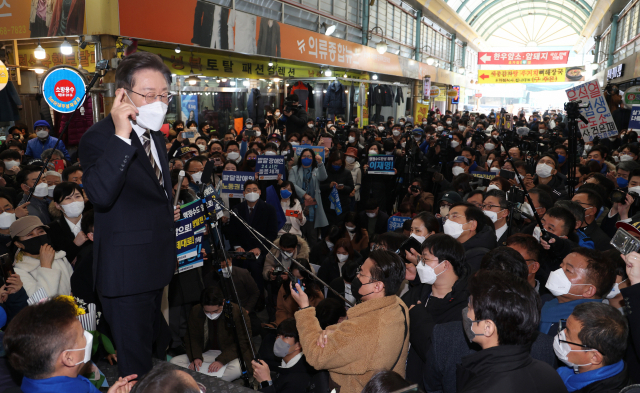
(53,178)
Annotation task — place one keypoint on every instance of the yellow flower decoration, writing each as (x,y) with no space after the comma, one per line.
(70,299)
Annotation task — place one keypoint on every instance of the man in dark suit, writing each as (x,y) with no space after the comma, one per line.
(261,216)
(126,175)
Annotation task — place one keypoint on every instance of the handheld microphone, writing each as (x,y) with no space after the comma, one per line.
(180,178)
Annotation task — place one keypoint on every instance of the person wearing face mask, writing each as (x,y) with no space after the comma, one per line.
(37,263)
(354,233)
(262,217)
(584,276)
(195,167)
(504,327)
(210,343)
(592,344)
(292,208)
(8,215)
(66,230)
(374,337)
(438,298)
(342,252)
(496,208)
(372,218)
(44,141)
(615,298)
(591,202)
(353,166)
(340,179)
(293,372)
(39,204)
(396,135)
(468,224)
(126,177)
(530,249)
(233,152)
(547,174)
(47,367)
(460,166)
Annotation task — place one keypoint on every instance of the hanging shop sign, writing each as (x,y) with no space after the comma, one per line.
(221,65)
(632,96)
(63,89)
(546,75)
(456,97)
(426,86)
(434,91)
(54,57)
(615,72)
(4,75)
(442,96)
(523,58)
(597,113)
(244,33)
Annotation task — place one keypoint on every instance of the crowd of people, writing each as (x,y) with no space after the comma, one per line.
(466,292)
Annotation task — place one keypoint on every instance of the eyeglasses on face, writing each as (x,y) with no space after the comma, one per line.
(150,98)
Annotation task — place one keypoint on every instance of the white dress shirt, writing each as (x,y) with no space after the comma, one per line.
(292,362)
(500,231)
(75,228)
(140,131)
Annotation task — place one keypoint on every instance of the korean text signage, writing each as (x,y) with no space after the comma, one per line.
(426,87)
(455,100)
(634,121)
(546,75)
(380,164)
(615,72)
(54,57)
(233,183)
(316,149)
(523,58)
(269,167)
(189,232)
(395,222)
(632,96)
(597,113)
(4,75)
(63,89)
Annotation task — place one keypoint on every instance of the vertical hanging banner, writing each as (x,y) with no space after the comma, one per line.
(63,89)
(426,87)
(456,100)
(597,113)
(189,233)
(189,107)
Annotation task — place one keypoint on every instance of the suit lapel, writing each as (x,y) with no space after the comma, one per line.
(158,139)
(144,159)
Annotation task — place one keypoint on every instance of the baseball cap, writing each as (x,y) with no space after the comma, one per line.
(42,123)
(451,197)
(461,159)
(352,151)
(633,229)
(248,121)
(182,151)
(276,136)
(25,225)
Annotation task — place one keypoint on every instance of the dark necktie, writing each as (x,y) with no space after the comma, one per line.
(146,143)
(250,211)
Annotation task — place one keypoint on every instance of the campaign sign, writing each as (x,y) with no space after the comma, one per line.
(380,164)
(597,113)
(63,89)
(4,75)
(484,175)
(210,194)
(269,167)
(634,121)
(316,149)
(189,232)
(233,183)
(395,222)
(189,103)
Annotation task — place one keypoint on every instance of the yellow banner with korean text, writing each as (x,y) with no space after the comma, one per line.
(546,75)
(86,58)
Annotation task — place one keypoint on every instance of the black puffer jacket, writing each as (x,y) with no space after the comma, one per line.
(341,176)
(478,245)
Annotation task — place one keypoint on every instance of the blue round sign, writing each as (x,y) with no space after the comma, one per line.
(63,89)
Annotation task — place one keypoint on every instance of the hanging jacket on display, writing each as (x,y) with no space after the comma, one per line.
(388,96)
(352,92)
(334,99)
(311,101)
(9,102)
(376,95)
(269,38)
(399,96)
(255,106)
(303,94)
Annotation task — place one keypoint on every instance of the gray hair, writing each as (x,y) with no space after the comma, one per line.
(47,153)
(53,173)
(628,166)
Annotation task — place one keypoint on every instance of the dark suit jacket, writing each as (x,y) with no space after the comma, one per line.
(263,219)
(245,286)
(449,345)
(134,230)
(62,238)
(381,222)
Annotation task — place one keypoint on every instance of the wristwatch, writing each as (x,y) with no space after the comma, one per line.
(265,384)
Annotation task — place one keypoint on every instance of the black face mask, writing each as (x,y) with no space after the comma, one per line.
(180,129)
(251,163)
(356,284)
(32,246)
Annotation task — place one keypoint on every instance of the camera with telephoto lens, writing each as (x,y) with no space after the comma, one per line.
(415,188)
(620,196)
(515,195)
(290,106)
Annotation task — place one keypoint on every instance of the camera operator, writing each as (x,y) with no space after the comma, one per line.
(626,206)
(296,116)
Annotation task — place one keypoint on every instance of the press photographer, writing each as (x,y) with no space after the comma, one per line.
(295,117)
